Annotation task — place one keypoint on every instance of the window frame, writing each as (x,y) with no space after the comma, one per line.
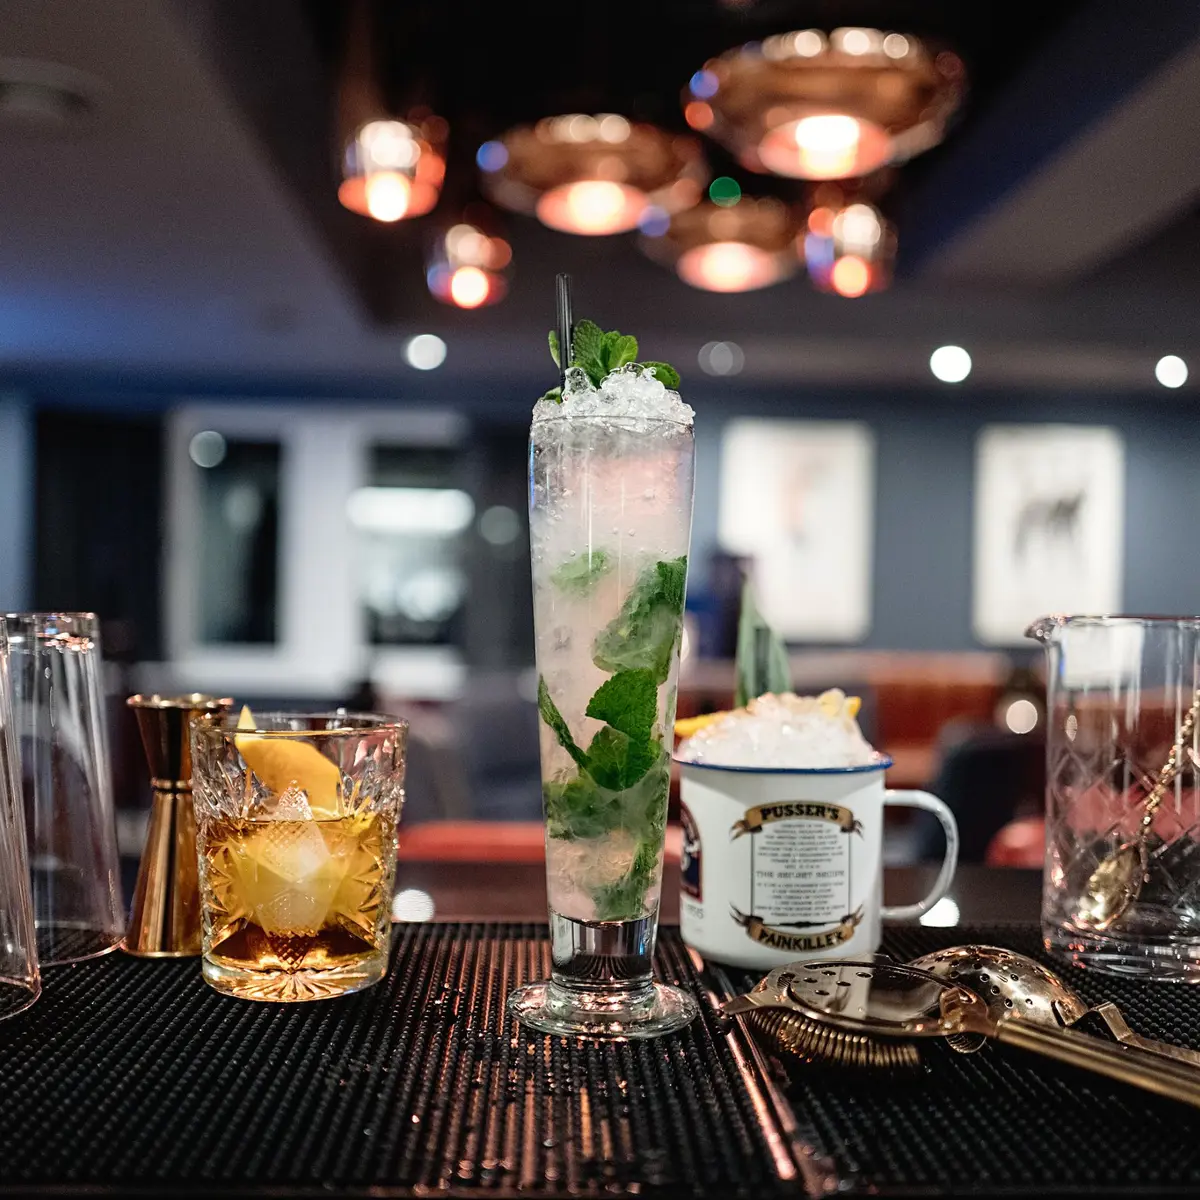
(321,646)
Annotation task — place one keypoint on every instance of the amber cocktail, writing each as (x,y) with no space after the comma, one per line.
(296,828)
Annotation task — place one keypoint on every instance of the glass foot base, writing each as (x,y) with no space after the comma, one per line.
(15,997)
(549,1008)
(1135,959)
(59,945)
(290,987)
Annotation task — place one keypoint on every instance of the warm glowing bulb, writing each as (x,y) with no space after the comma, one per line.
(592,206)
(469,287)
(595,205)
(728,267)
(827,144)
(820,222)
(858,228)
(387,194)
(850,276)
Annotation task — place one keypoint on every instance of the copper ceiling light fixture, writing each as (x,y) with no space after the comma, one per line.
(468,260)
(592,174)
(848,246)
(720,246)
(810,106)
(392,167)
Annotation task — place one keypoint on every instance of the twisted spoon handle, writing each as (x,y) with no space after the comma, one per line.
(1171,767)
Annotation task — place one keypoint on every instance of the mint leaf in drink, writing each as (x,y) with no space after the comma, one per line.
(587,350)
(579,575)
(555,394)
(643,635)
(619,349)
(617,761)
(663,372)
(598,354)
(625,900)
(580,808)
(628,702)
(554,719)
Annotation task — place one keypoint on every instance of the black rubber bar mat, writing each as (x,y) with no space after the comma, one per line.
(131,1076)
(1001,1121)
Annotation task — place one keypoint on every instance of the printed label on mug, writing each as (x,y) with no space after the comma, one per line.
(689,861)
(801,876)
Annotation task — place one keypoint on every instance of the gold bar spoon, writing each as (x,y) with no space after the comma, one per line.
(1118,879)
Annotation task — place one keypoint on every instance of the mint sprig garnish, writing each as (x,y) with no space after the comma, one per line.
(663,372)
(598,354)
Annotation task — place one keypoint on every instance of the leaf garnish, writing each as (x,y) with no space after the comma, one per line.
(598,354)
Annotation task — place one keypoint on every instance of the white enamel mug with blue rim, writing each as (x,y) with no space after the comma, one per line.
(782,865)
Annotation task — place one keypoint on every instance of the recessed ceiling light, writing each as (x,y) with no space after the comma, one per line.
(1171,371)
(950,364)
(426,351)
(207,449)
(721,358)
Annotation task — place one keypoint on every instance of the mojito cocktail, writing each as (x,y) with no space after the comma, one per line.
(611,461)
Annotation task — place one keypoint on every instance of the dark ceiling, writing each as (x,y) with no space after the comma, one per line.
(486,67)
(191,224)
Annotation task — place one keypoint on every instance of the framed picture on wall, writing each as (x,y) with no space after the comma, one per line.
(796,499)
(1049,525)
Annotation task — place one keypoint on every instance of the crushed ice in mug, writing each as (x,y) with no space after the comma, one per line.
(784,731)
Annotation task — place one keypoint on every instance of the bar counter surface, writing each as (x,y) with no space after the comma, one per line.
(498,891)
(131,1078)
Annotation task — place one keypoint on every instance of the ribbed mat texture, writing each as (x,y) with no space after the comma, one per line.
(1003,1122)
(131,1075)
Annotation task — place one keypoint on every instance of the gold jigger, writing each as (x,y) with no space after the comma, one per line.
(165,919)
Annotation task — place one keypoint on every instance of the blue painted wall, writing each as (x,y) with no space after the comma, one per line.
(925,456)
(925,453)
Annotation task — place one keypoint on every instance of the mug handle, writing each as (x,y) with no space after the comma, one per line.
(931,804)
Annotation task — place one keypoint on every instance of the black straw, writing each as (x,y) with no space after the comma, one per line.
(562,298)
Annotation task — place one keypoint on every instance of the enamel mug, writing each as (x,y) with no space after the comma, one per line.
(780,864)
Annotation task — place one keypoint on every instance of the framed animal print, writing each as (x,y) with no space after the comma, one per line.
(1049,526)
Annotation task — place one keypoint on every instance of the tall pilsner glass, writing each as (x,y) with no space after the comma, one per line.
(610,520)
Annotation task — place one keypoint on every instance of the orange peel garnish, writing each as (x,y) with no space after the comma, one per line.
(686,726)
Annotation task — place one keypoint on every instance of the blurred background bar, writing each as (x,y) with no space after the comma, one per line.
(275,283)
